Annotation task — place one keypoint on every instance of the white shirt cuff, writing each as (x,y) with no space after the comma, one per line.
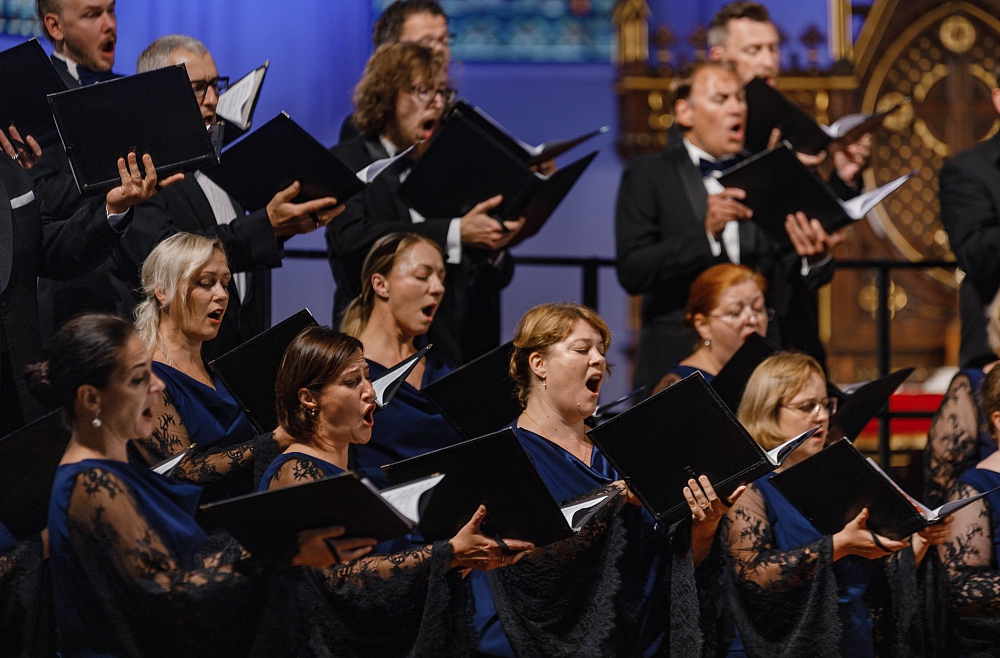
(453,246)
(806,267)
(115,219)
(714,245)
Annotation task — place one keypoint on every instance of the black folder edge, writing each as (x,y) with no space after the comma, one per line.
(18,495)
(235,160)
(217,511)
(163,170)
(398,373)
(50,137)
(915,523)
(797,126)
(518,454)
(859,407)
(832,216)
(732,380)
(724,488)
(430,392)
(547,199)
(234,388)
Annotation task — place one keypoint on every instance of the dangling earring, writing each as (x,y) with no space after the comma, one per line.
(97,421)
(545,384)
(312,413)
(708,343)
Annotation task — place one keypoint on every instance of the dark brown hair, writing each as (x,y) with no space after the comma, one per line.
(391,70)
(314,358)
(389,25)
(718,29)
(85,351)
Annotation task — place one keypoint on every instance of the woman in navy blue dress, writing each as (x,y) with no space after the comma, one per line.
(726,304)
(401,288)
(795,591)
(630,592)
(972,554)
(185,282)
(133,574)
(375,605)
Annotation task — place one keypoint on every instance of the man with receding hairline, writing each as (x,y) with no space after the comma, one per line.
(674,220)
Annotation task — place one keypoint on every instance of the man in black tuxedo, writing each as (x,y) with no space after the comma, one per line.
(970,213)
(83,34)
(254,242)
(34,243)
(674,220)
(408,21)
(742,34)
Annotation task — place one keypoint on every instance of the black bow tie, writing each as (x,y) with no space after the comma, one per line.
(706,167)
(88,77)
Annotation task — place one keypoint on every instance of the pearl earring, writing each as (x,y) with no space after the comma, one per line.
(708,343)
(97,421)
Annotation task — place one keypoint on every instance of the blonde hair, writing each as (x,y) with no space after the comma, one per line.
(776,380)
(543,326)
(380,260)
(167,270)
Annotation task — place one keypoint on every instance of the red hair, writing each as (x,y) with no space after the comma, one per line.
(710,284)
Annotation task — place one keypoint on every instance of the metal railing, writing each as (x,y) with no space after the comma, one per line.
(590,293)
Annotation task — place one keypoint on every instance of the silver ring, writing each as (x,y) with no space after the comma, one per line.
(16,156)
(315,218)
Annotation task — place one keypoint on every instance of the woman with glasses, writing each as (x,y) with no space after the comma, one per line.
(400,102)
(972,554)
(793,590)
(725,305)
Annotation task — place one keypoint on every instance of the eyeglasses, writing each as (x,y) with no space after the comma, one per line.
(201,87)
(761,314)
(430,42)
(427,95)
(812,407)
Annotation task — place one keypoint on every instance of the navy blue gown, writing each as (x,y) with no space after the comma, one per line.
(409,425)
(128,570)
(212,417)
(644,568)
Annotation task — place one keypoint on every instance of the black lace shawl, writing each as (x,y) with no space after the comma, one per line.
(26,624)
(572,598)
(382,606)
(953,438)
(152,605)
(969,559)
(785,605)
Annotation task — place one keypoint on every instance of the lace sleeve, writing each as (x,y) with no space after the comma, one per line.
(974,581)
(758,564)
(951,440)
(154,601)
(170,437)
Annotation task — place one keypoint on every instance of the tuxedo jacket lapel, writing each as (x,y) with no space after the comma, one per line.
(6,235)
(694,188)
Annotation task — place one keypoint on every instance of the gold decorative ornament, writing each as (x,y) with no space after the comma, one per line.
(957,34)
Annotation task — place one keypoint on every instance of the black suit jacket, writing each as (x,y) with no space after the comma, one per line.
(250,246)
(662,247)
(458,334)
(970,213)
(32,244)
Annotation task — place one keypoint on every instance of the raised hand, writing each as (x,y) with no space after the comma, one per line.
(857,539)
(725,207)
(134,188)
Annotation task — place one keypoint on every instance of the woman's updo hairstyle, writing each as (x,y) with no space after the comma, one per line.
(85,351)
(314,358)
(381,259)
(543,326)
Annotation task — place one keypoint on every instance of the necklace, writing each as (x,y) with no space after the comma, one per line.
(541,432)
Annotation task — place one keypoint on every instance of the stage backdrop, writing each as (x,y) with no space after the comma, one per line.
(318,49)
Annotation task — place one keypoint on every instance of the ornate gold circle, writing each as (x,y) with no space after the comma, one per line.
(957,34)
